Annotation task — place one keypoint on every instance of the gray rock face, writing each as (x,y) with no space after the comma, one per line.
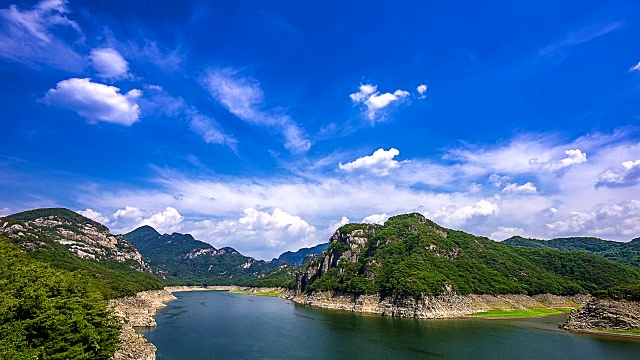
(604,315)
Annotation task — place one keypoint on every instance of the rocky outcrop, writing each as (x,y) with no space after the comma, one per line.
(137,311)
(428,306)
(88,240)
(604,315)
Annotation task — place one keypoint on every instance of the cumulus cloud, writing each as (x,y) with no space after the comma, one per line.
(380,163)
(168,220)
(376,219)
(95,102)
(109,64)
(375,101)
(526,188)
(575,156)
(422,91)
(94,215)
(244,98)
(606,219)
(505,232)
(456,215)
(37,36)
(258,233)
(627,174)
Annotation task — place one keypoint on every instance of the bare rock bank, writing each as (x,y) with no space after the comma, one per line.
(603,315)
(430,306)
(137,311)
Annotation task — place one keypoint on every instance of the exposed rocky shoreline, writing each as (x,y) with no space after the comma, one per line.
(605,315)
(432,307)
(137,311)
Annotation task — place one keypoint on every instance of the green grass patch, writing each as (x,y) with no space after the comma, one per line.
(499,313)
(263,293)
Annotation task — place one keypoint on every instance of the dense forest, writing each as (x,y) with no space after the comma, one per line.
(48,313)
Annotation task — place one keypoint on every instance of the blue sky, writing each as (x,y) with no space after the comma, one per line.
(264,126)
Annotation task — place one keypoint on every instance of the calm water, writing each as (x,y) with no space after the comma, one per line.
(220,325)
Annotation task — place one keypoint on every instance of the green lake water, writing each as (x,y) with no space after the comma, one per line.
(221,325)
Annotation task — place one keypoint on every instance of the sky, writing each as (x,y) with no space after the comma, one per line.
(266,125)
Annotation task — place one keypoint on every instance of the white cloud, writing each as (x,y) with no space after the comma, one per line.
(259,233)
(627,174)
(209,129)
(609,219)
(636,67)
(244,97)
(505,232)
(456,215)
(376,219)
(379,163)
(575,156)
(94,215)
(375,101)
(31,36)
(422,90)
(6,211)
(167,221)
(95,102)
(581,36)
(498,180)
(109,63)
(526,188)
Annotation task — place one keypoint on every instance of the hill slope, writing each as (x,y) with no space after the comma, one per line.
(411,255)
(69,241)
(622,252)
(182,260)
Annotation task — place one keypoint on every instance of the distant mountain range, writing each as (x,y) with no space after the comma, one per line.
(299,257)
(622,252)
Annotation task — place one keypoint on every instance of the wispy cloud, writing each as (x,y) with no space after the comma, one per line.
(581,36)
(37,36)
(244,98)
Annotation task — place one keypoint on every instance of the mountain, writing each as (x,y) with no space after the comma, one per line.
(179,259)
(68,241)
(623,252)
(298,257)
(411,255)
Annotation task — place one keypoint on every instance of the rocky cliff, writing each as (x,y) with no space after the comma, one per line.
(600,315)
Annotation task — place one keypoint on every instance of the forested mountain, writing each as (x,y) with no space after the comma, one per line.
(411,255)
(622,252)
(57,271)
(179,259)
(298,257)
(69,241)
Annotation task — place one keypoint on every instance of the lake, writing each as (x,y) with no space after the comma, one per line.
(221,325)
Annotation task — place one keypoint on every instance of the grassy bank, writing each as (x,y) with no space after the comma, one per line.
(261,293)
(527,313)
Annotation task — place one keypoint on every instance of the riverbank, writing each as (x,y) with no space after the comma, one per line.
(442,306)
(606,317)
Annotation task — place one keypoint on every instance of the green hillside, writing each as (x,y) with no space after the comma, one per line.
(411,255)
(622,252)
